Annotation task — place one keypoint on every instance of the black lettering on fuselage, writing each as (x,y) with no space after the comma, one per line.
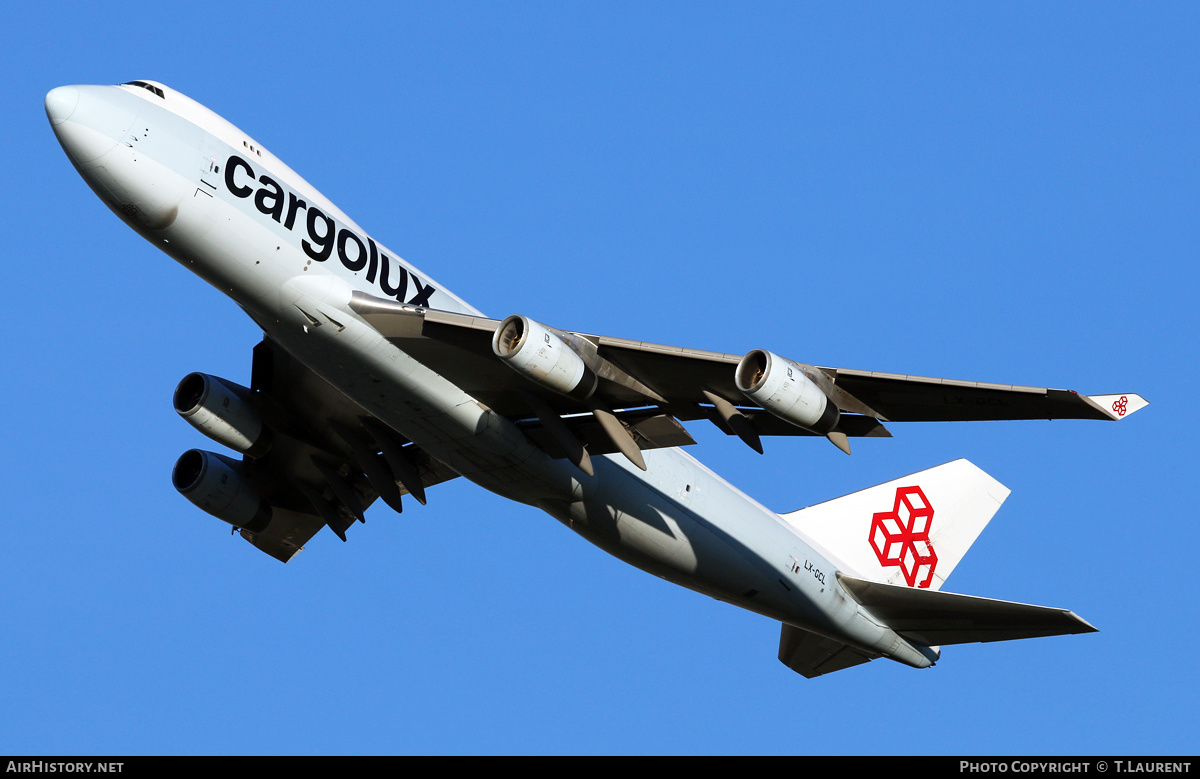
(322,234)
(423,291)
(293,204)
(344,240)
(324,241)
(275,195)
(231,167)
(374,261)
(385,268)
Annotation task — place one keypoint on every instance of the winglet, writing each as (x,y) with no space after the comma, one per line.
(1117,406)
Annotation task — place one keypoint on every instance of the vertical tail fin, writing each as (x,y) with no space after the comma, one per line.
(910,531)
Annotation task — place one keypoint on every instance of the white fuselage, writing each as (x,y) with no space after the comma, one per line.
(216,201)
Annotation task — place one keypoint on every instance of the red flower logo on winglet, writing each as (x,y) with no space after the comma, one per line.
(901,536)
(1121,405)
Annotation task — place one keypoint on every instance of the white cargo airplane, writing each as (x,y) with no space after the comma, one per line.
(372,380)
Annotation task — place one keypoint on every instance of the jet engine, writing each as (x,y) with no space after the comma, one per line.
(222,411)
(216,485)
(538,353)
(784,388)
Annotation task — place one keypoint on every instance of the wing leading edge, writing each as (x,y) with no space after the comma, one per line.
(638,377)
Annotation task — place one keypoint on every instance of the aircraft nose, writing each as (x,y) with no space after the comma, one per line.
(90,120)
(60,103)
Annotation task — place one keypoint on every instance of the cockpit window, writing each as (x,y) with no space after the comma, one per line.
(144,85)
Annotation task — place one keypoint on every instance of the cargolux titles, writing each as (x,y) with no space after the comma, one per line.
(324,234)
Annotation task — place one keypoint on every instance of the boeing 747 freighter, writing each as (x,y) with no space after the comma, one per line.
(373,381)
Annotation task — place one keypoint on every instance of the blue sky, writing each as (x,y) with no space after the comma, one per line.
(996,193)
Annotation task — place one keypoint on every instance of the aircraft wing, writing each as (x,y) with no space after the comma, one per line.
(900,398)
(324,464)
(673,383)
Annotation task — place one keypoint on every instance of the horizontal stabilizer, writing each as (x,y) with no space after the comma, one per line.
(940,618)
(811,655)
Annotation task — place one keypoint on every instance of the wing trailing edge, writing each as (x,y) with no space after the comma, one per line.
(693,384)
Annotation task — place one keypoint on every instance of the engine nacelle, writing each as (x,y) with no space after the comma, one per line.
(221,410)
(783,388)
(538,353)
(216,485)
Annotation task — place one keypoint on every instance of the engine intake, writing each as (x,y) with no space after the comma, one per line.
(785,389)
(538,353)
(215,484)
(221,410)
